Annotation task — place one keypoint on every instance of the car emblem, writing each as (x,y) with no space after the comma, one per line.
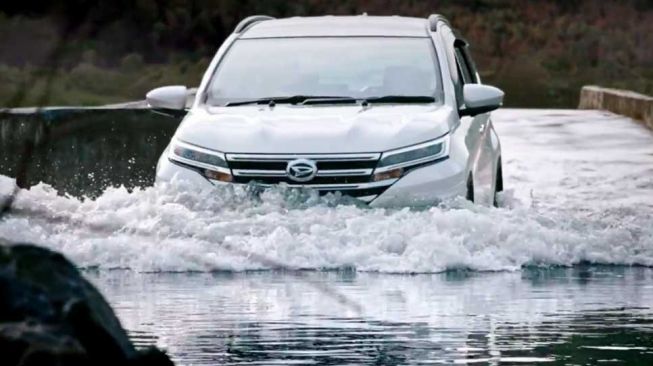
(301,170)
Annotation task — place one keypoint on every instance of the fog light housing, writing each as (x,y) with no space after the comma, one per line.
(390,174)
(220,176)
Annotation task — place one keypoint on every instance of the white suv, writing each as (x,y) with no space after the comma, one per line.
(390,110)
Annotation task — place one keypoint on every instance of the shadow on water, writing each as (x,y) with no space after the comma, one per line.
(101,147)
(575,316)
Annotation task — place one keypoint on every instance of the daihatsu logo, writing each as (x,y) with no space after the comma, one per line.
(301,170)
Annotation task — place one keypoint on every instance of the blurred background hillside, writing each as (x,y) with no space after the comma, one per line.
(75,52)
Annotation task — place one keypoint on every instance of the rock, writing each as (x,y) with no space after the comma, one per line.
(51,315)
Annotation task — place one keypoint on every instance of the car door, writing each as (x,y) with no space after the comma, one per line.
(480,159)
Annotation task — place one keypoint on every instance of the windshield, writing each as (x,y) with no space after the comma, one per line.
(361,68)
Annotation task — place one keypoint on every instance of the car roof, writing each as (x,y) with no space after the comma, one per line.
(338,26)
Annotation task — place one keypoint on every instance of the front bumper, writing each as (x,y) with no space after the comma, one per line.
(426,185)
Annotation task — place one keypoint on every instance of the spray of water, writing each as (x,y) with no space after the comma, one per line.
(580,189)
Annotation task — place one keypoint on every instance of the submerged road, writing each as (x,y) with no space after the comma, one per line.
(579,194)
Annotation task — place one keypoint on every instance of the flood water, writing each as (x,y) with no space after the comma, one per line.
(561,272)
(582,315)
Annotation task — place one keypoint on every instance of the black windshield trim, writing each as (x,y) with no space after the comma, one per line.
(293,99)
(311,100)
(400,99)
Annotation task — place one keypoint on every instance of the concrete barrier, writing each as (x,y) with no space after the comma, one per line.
(624,102)
(82,151)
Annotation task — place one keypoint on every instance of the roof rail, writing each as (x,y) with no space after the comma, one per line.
(251,20)
(433,21)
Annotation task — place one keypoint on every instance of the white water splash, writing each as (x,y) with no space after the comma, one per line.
(580,188)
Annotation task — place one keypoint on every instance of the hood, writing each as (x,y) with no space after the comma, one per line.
(313,129)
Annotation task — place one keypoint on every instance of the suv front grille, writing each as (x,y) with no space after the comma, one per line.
(323,165)
(347,173)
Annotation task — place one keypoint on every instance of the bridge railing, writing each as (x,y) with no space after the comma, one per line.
(624,102)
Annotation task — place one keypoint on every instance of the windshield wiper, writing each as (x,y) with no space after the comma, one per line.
(295,99)
(330,100)
(401,99)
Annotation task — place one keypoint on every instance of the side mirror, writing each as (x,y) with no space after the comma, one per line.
(168,99)
(480,98)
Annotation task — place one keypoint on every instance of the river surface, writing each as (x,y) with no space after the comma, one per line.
(560,273)
(581,315)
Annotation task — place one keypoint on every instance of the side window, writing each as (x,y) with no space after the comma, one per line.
(472,65)
(466,66)
(463,67)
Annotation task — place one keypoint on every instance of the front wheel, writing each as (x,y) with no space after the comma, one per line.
(498,186)
(470,188)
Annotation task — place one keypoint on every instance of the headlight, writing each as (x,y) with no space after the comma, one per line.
(393,163)
(211,164)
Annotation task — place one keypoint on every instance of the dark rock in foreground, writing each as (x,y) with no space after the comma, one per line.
(51,315)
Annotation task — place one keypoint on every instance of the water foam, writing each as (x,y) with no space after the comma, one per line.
(551,217)
(171,229)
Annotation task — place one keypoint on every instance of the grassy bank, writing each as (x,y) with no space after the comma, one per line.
(88,84)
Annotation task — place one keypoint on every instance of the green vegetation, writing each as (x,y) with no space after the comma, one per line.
(89,84)
(539,52)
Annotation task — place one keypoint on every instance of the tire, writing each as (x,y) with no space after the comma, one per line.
(470,188)
(498,186)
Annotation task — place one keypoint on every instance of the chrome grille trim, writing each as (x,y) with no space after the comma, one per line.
(316,157)
(343,172)
(320,173)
